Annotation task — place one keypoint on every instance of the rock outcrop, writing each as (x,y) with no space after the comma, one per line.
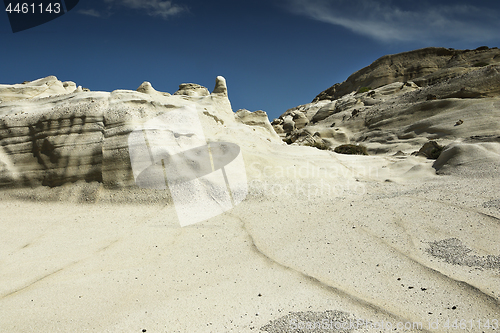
(220,86)
(404,115)
(147,88)
(424,67)
(462,158)
(457,98)
(192,89)
(52,133)
(48,86)
(257,119)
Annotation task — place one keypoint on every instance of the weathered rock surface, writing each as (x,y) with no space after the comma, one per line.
(457,98)
(53,132)
(192,89)
(461,158)
(424,67)
(44,87)
(400,116)
(256,119)
(49,136)
(147,88)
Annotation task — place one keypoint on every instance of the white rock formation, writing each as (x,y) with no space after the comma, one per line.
(147,88)
(40,88)
(402,116)
(220,86)
(192,90)
(65,137)
(256,119)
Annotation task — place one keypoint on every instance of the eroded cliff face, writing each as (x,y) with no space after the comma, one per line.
(52,140)
(423,67)
(53,133)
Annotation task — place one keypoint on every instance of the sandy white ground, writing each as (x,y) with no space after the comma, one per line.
(420,248)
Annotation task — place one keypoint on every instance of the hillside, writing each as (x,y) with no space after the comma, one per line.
(449,101)
(424,67)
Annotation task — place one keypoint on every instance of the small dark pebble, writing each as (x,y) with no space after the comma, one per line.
(399,279)
(423,289)
(144,330)
(260,295)
(410,287)
(454,307)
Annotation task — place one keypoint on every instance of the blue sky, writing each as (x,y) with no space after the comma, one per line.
(274,54)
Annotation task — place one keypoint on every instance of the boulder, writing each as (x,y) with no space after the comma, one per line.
(288,124)
(300,120)
(278,129)
(431,150)
(325,111)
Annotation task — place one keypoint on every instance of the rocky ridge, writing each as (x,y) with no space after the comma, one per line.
(453,103)
(52,133)
(424,67)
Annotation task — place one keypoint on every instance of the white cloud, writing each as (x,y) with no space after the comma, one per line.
(383,20)
(164,9)
(90,12)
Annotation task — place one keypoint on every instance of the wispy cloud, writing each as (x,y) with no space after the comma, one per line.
(90,12)
(163,9)
(386,21)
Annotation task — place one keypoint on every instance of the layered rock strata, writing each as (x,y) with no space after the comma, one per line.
(424,67)
(403,116)
(52,133)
